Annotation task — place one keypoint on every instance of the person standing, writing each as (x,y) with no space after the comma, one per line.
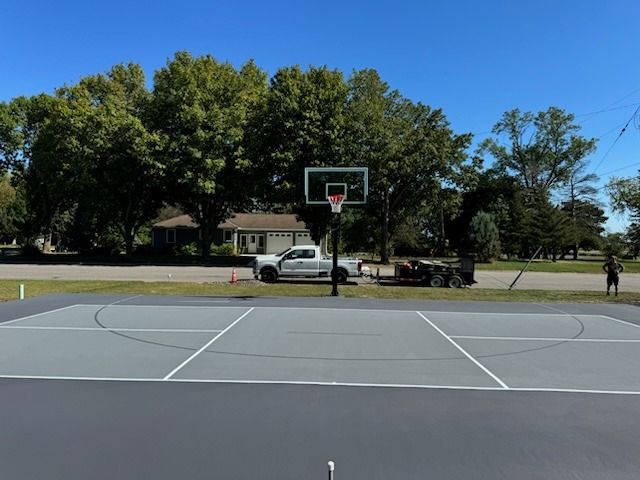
(613,269)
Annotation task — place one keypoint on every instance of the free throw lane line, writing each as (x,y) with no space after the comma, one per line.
(464,352)
(204,347)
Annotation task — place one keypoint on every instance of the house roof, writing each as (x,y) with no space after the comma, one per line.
(181,221)
(243,221)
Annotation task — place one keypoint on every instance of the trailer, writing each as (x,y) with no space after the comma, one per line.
(428,273)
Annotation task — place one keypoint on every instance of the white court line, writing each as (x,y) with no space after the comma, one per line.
(620,321)
(328,384)
(463,351)
(548,339)
(158,306)
(183,364)
(519,314)
(108,329)
(37,315)
(346,309)
(204,301)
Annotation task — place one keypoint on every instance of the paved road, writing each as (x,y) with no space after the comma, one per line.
(486,279)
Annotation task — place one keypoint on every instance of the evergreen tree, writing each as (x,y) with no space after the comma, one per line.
(484,236)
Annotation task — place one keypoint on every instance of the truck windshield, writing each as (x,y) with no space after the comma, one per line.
(282,253)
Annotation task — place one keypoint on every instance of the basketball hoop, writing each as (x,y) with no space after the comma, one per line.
(336,202)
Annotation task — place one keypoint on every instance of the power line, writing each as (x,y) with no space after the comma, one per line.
(610,131)
(616,140)
(619,169)
(607,110)
(623,98)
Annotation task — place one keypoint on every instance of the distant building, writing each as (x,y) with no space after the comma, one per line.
(256,233)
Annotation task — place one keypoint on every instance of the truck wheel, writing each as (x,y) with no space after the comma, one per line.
(268,275)
(342,275)
(436,281)
(455,281)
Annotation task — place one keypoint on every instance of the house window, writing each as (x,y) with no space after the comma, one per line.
(260,241)
(228,236)
(171,235)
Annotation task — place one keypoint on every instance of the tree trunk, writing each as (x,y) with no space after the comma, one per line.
(129,236)
(384,241)
(207,238)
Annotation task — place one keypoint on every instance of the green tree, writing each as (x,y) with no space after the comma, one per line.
(580,204)
(614,244)
(632,236)
(202,108)
(409,148)
(625,194)
(52,154)
(542,150)
(500,195)
(548,226)
(121,153)
(484,236)
(302,126)
(587,222)
(11,135)
(10,210)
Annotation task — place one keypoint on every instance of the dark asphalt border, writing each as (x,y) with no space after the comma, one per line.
(75,430)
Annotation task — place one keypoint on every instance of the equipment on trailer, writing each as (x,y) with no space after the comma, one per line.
(431,273)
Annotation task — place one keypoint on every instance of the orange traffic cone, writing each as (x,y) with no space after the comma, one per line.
(234,276)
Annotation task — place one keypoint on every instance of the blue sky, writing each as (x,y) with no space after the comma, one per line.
(474,59)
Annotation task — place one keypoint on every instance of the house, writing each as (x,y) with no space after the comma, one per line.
(249,232)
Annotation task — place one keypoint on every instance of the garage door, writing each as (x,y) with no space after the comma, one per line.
(277,242)
(304,239)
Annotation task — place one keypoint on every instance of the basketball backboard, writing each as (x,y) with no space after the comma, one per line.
(320,182)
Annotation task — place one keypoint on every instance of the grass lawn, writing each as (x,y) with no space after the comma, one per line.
(569,266)
(559,266)
(34,288)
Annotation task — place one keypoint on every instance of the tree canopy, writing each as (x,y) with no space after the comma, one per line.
(201,108)
(95,162)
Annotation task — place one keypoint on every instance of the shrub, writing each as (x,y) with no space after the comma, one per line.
(190,249)
(226,249)
(146,250)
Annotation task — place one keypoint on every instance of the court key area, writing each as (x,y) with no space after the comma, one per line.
(184,387)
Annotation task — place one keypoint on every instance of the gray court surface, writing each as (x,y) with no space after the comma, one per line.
(192,387)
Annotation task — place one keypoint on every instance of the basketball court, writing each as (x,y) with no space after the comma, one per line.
(274,377)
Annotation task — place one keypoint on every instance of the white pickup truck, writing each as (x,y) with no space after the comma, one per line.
(303,261)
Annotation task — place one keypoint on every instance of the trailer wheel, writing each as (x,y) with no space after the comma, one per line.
(342,275)
(268,275)
(455,281)
(436,281)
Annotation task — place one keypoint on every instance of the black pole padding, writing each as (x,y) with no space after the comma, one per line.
(334,270)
